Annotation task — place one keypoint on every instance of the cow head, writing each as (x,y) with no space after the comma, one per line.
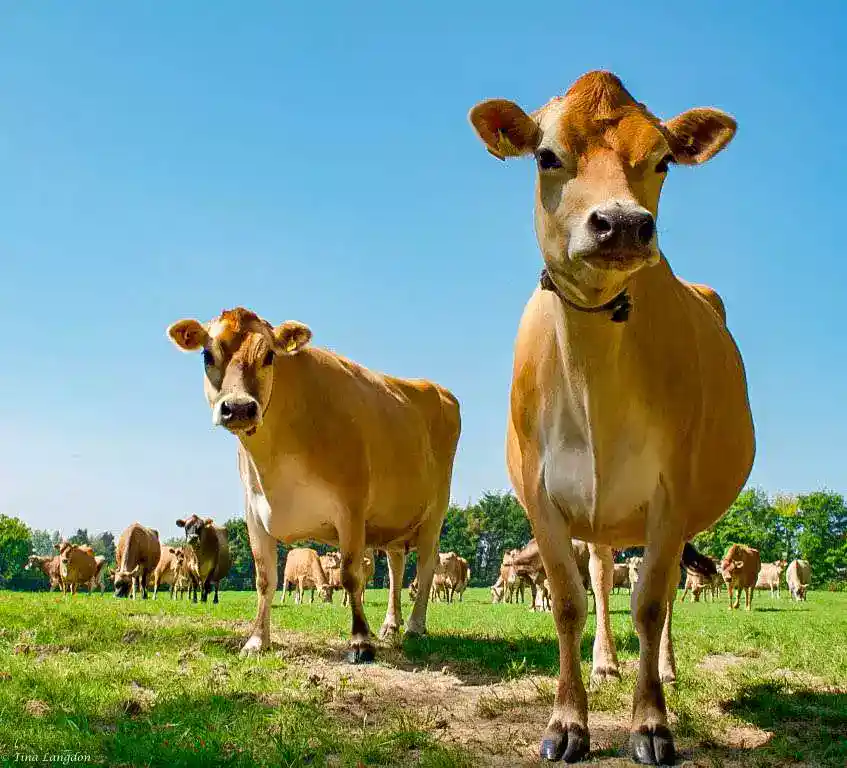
(194,527)
(602,159)
(123,580)
(240,351)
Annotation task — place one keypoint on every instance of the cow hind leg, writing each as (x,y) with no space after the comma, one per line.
(265,558)
(427,547)
(566,736)
(351,541)
(605,660)
(393,617)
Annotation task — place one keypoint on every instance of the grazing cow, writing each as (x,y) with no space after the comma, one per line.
(740,568)
(211,549)
(620,577)
(49,566)
(331,564)
(168,569)
(514,583)
(136,556)
(798,576)
(304,570)
(629,417)
(698,583)
(451,575)
(464,578)
(770,575)
(329,451)
(77,566)
(100,570)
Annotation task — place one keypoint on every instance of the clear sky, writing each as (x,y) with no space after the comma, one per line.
(315,162)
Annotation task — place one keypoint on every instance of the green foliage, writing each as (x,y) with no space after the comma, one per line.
(104,544)
(242,574)
(822,533)
(80,537)
(15,546)
(44,541)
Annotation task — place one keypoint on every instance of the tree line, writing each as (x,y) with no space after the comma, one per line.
(811,526)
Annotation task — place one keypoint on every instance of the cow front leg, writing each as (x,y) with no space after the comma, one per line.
(566,736)
(605,661)
(266,558)
(651,741)
(393,617)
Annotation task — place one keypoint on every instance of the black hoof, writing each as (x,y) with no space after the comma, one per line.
(363,655)
(570,745)
(652,746)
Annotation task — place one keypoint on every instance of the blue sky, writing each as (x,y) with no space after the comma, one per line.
(162,160)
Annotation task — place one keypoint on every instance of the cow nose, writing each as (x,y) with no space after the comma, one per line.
(238,410)
(633,226)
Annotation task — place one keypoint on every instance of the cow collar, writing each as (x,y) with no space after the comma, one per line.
(619,306)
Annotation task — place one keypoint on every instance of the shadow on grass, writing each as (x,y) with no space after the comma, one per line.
(477,656)
(807,724)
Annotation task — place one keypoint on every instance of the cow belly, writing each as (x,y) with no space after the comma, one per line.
(301,510)
(601,497)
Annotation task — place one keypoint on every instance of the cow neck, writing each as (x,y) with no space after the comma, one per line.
(617,308)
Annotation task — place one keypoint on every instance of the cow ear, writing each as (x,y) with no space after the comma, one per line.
(699,134)
(738,563)
(209,521)
(291,336)
(180,523)
(505,128)
(188,335)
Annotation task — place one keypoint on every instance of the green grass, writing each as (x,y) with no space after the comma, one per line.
(160,683)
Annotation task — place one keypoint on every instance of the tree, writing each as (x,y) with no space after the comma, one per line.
(15,546)
(80,537)
(43,541)
(822,533)
(104,544)
(242,573)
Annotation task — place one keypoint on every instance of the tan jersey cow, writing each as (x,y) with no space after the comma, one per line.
(304,571)
(77,566)
(620,577)
(634,565)
(49,566)
(329,451)
(99,575)
(211,551)
(740,568)
(629,418)
(451,574)
(136,556)
(331,564)
(168,569)
(699,583)
(188,575)
(770,575)
(798,576)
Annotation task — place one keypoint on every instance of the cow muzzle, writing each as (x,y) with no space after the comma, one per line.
(237,413)
(618,236)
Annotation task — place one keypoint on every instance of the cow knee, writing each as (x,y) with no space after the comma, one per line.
(648,617)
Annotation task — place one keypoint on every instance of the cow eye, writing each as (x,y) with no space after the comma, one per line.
(269,358)
(208,360)
(547,160)
(662,167)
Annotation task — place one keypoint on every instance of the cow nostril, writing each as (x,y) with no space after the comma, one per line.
(250,410)
(599,224)
(226,411)
(646,230)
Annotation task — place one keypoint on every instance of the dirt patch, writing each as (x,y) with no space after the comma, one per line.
(720,662)
(37,708)
(140,700)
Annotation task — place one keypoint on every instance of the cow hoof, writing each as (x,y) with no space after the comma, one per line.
(668,678)
(568,743)
(362,655)
(388,632)
(652,745)
(252,647)
(604,674)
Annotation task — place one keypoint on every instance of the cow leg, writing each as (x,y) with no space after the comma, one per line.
(667,660)
(143,578)
(427,548)
(266,558)
(566,736)
(651,741)
(217,586)
(605,660)
(352,544)
(393,617)
(155,585)
(748,598)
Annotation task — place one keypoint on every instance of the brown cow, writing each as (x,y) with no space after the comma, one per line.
(629,418)
(49,566)
(188,575)
(304,570)
(77,566)
(211,549)
(329,451)
(620,577)
(740,568)
(698,583)
(798,576)
(168,569)
(770,575)
(451,575)
(331,564)
(136,557)
(100,571)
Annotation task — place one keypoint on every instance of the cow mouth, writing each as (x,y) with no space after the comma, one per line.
(617,260)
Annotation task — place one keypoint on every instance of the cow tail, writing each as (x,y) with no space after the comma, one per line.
(692,560)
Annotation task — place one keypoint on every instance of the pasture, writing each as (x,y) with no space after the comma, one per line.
(124,683)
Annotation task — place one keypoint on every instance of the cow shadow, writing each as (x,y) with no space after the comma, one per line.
(804,722)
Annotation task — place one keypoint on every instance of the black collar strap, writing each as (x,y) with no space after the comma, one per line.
(619,306)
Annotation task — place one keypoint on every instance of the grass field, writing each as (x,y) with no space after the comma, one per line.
(118,683)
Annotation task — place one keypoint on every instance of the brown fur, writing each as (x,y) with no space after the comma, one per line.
(798,576)
(50,567)
(77,566)
(770,574)
(211,553)
(136,557)
(740,568)
(303,570)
